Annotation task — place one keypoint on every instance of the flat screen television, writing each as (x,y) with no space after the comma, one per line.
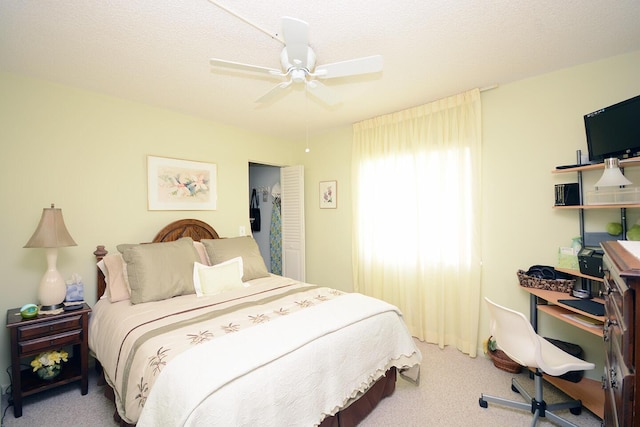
(614,131)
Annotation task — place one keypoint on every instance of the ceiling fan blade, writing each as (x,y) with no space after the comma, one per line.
(296,37)
(277,90)
(245,67)
(352,67)
(323,93)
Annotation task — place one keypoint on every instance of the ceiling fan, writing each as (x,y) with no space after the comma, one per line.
(298,63)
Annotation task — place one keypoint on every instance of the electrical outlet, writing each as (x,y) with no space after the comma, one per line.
(242,231)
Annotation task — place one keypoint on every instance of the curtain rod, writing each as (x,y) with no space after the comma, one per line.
(486,88)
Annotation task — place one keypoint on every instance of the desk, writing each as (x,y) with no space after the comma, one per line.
(587,390)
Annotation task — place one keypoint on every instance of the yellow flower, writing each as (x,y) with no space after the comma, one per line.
(49,359)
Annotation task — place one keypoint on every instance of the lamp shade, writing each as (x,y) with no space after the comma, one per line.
(612,175)
(51,231)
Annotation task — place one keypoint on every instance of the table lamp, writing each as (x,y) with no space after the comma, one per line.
(51,234)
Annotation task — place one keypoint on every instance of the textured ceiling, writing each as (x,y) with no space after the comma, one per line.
(158,51)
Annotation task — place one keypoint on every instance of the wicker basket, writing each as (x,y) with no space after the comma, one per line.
(558,285)
(503,362)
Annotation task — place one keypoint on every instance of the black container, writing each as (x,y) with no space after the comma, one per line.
(567,194)
(590,262)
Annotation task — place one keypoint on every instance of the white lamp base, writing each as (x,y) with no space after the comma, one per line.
(52,290)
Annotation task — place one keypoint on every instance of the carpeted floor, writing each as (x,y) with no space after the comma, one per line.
(450,386)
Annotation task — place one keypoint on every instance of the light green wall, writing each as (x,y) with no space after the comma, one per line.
(86,152)
(328,231)
(530,127)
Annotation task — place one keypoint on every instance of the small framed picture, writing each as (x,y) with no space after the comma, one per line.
(328,194)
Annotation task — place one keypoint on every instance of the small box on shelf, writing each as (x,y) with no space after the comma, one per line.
(614,196)
(567,258)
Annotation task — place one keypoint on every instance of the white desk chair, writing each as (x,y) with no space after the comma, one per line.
(515,336)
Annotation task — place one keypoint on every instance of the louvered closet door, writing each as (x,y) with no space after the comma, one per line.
(292,183)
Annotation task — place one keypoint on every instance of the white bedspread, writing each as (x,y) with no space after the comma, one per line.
(292,371)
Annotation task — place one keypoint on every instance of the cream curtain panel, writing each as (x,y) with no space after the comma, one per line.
(417,225)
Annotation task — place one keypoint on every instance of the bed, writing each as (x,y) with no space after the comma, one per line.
(192,330)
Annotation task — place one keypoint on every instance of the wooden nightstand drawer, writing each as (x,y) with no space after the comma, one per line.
(44,343)
(52,326)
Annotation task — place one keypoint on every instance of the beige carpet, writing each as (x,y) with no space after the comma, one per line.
(450,386)
(448,394)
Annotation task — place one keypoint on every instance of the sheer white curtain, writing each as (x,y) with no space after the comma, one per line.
(417,225)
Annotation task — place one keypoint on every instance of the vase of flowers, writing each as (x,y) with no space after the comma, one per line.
(48,364)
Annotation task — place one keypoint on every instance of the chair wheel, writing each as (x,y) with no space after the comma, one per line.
(514,388)
(576,411)
(482,403)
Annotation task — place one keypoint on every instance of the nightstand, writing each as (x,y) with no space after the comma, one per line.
(30,337)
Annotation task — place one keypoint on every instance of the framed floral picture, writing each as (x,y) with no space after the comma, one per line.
(174,184)
(328,194)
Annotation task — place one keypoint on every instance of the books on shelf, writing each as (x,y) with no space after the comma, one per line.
(584,320)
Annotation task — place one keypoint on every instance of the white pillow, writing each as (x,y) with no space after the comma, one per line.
(105,273)
(215,279)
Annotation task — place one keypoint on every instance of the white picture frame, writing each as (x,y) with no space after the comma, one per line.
(328,194)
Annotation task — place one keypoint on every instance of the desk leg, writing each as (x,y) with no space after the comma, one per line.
(533,309)
(533,315)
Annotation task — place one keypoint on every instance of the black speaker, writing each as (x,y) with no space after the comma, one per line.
(567,194)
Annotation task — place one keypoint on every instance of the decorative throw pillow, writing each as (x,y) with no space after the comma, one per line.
(202,252)
(219,278)
(116,278)
(220,250)
(158,271)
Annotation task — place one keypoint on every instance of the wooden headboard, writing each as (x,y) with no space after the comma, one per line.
(193,228)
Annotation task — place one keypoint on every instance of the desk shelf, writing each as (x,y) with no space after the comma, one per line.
(577,273)
(587,390)
(563,314)
(548,303)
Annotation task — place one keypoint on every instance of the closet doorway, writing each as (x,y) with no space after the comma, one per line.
(280,198)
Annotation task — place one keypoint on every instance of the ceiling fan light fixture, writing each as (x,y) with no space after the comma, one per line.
(298,75)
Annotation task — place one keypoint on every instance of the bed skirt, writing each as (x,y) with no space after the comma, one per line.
(358,410)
